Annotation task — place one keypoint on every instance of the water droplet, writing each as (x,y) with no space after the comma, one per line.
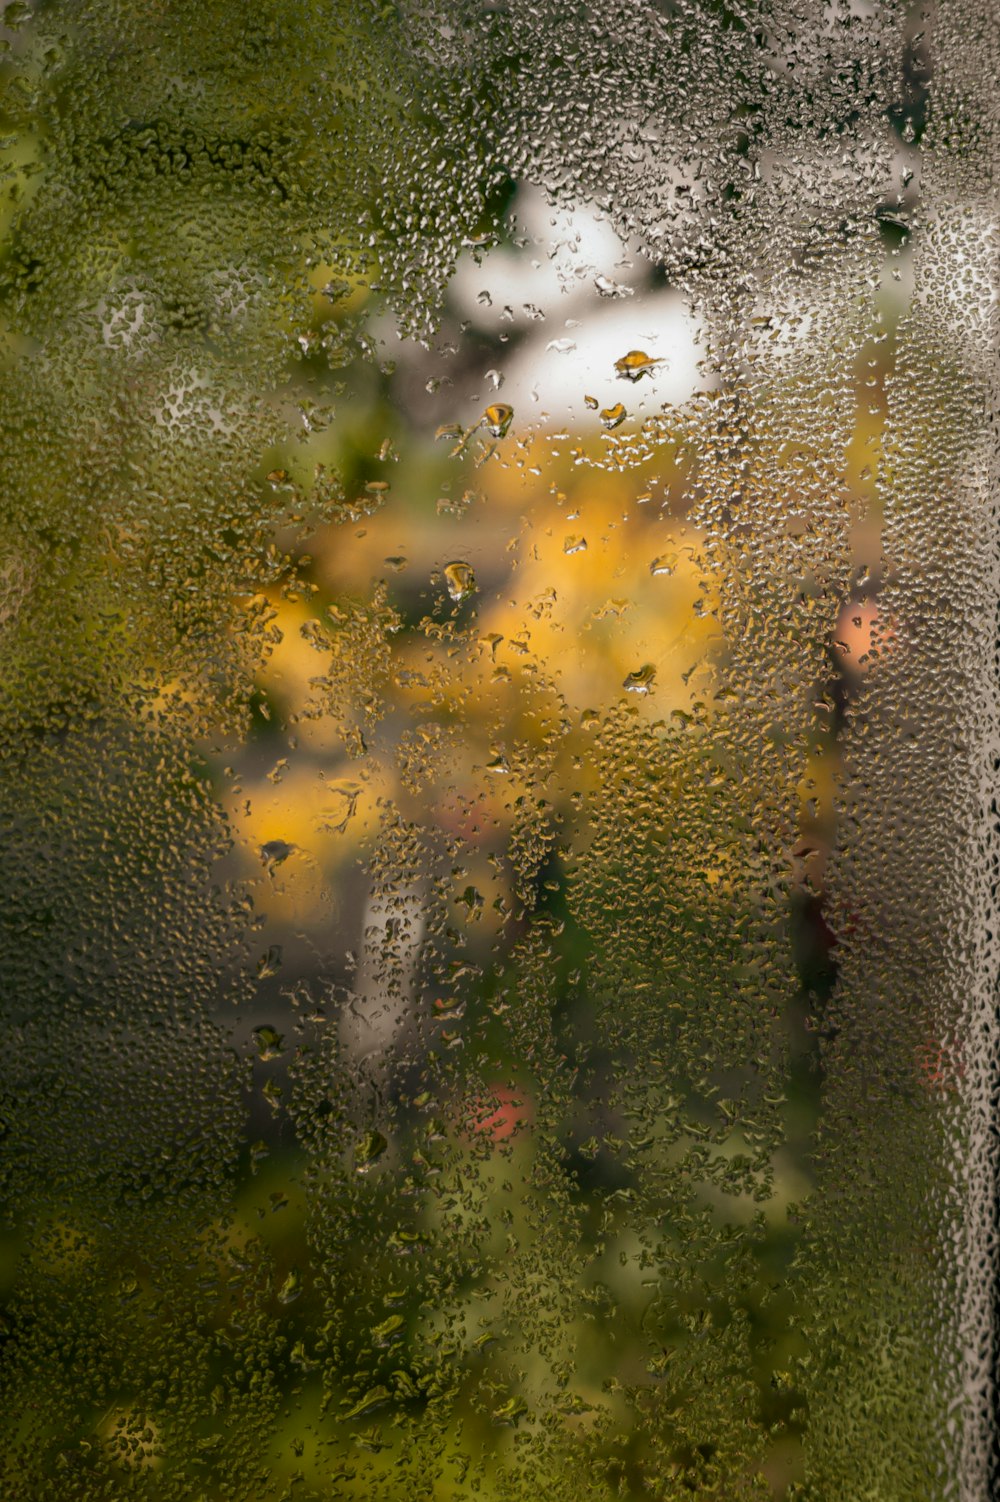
(497,419)
(561,346)
(448,505)
(269,1042)
(641,681)
(370,1440)
(574,1404)
(291,1288)
(377,487)
(298,1356)
(494,378)
(369,1150)
(396,562)
(388,1330)
(607,288)
(613,417)
(406,1242)
(472,899)
(510,1412)
(373,1398)
(635,364)
(460,579)
(591,402)
(341,809)
(662,565)
(574,545)
(270,963)
(274,852)
(499,764)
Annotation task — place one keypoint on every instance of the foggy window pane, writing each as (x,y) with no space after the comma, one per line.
(498,714)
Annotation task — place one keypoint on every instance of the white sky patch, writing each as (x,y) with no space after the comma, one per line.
(546,383)
(561,303)
(566,250)
(573,294)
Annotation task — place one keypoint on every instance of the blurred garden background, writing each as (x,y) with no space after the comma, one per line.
(493,713)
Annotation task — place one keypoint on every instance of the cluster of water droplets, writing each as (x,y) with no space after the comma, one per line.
(498,741)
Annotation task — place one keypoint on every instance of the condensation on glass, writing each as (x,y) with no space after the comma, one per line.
(498,724)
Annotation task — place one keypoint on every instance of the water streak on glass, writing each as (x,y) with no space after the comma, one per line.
(498,688)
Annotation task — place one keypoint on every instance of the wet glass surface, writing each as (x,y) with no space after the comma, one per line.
(498,700)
